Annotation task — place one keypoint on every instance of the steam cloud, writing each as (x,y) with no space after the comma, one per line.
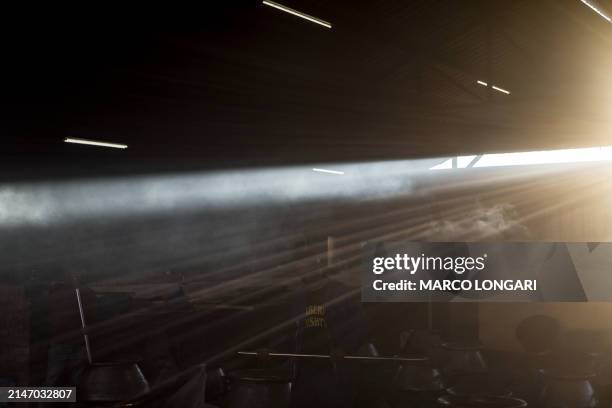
(46,203)
(498,222)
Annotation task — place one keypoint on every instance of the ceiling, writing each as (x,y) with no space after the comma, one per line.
(240,83)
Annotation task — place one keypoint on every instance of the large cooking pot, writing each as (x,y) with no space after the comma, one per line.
(111,382)
(460,401)
(416,384)
(216,384)
(418,377)
(538,334)
(182,390)
(491,384)
(259,388)
(563,390)
(464,358)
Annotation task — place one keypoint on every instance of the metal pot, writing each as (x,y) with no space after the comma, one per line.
(488,384)
(464,359)
(215,384)
(184,389)
(563,390)
(259,388)
(416,384)
(457,401)
(418,377)
(111,382)
(538,333)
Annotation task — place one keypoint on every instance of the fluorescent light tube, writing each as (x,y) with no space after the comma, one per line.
(297,13)
(94,143)
(482,83)
(328,171)
(500,90)
(595,9)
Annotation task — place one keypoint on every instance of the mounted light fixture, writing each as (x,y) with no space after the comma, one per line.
(94,143)
(498,89)
(595,9)
(297,13)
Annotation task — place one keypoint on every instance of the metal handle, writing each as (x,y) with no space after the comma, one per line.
(83,325)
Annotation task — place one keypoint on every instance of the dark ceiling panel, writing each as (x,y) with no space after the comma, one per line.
(239,83)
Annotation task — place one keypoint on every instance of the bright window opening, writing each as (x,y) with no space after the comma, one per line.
(591,154)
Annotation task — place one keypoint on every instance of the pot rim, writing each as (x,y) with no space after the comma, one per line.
(259,376)
(504,402)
